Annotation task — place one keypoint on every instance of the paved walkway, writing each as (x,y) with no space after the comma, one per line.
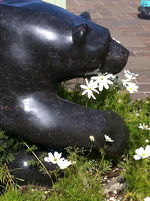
(120,17)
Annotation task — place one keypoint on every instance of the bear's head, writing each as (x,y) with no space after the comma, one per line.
(44,43)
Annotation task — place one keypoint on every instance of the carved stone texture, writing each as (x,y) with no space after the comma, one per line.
(40,46)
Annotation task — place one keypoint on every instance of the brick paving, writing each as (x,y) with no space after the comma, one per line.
(120,17)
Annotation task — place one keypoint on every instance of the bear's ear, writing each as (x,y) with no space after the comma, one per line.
(79,32)
(86,15)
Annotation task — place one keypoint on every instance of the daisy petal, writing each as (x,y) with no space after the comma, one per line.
(84,92)
(86,82)
(57,155)
(106,86)
(50,156)
(96,91)
(93,96)
(47,159)
(83,86)
(137,157)
(139,151)
(100,87)
(147,149)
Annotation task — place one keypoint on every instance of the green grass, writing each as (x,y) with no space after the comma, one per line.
(83,180)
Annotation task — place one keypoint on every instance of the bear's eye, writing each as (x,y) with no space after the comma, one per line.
(79,32)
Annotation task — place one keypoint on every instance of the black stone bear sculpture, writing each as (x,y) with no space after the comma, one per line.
(40,46)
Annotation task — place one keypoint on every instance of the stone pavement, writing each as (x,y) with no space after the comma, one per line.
(120,17)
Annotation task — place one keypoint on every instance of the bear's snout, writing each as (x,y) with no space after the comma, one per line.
(115,58)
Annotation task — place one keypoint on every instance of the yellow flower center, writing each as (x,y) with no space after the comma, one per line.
(55,159)
(143,154)
(102,78)
(130,88)
(89,88)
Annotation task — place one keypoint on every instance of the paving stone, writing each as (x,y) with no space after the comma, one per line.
(134,16)
(138,49)
(147,26)
(109,4)
(74,9)
(127,38)
(147,94)
(133,54)
(95,15)
(138,63)
(143,33)
(105,13)
(99,7)
(118,3)
(143,54)
(121,9)
(144,87)
(136,96)
(123,17)
(148,46)
(71,3)
(143,77)
(88,2)
(102,23)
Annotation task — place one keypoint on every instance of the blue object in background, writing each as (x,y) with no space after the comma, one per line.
(145,3)
(58,149)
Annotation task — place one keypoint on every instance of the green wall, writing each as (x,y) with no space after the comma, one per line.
(61,3)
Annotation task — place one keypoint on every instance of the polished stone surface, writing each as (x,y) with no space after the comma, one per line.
(42,45)
(28,174)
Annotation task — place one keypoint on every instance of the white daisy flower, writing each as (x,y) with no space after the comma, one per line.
(124,82)
(141,153)
(108,139)
(89,87)
(53,158)
(103,81)
(91,138)
(130,76)
(113,78)
(64,163)
(147,199)
(131,87)
(56,159)
(144,127)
